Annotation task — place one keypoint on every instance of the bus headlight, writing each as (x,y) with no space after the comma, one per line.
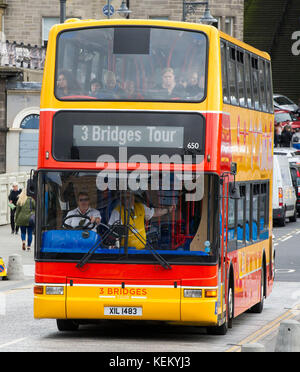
(54,290)
(194,293)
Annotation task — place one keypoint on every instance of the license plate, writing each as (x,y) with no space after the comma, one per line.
(123,311)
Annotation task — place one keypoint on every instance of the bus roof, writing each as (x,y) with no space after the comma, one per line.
(78,23)
(244,45)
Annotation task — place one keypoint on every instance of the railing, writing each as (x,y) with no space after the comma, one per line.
(6,181)
(22,56)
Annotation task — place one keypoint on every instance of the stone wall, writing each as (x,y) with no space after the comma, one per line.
(23,18)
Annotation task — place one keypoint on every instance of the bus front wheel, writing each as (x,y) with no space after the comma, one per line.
(222,329)
(67,325)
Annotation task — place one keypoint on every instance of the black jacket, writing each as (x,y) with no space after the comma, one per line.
(286,138)
(13,196)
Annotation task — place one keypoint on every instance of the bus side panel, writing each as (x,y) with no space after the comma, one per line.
(247,263)
(247,139)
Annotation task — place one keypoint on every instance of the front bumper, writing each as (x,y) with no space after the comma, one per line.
(158,302)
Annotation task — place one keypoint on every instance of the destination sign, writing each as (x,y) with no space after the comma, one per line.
(128,136)
(85,135)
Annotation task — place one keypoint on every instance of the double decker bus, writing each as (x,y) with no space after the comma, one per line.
(154,180)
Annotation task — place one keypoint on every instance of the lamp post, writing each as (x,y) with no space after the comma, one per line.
(122,11)
(190,7)
(62,11)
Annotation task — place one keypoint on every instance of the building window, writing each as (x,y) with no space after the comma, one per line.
(219,23)
(229,25)
(47,23)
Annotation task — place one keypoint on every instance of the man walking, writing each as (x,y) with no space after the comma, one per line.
(13,199)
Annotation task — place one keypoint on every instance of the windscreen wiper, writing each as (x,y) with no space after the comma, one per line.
(164,263)
(111,230)
(91,251)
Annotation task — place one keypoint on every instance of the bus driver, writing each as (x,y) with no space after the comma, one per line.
(138,214)
(83,210)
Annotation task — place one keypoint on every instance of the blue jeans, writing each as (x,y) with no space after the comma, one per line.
(27,229)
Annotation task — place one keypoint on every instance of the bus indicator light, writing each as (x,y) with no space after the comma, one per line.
(211,293)
(38,289)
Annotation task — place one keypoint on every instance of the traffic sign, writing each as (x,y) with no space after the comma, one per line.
(106,12)
(2,268)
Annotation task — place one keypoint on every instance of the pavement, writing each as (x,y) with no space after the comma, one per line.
(10,245)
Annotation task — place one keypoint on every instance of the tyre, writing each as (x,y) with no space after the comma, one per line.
(222,329)
(67,325)
(282,221)
(230,306)
(294,217)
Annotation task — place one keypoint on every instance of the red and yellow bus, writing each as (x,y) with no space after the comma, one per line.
(154,180)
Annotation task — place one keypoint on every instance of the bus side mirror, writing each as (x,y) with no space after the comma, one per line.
(233,168)
(32,184)
(234,192)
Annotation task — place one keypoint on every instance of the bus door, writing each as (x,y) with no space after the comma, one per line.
(223,245)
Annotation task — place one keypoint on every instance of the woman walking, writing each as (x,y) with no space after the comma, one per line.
(24,212)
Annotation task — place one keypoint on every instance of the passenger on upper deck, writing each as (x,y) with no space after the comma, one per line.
(195,87)
(66,86)
(95,88)
(111,89)
(169,89)
(130,91)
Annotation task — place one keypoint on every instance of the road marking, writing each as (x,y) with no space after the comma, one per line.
(284,271)
(264,331)
(286,238)
(12,342)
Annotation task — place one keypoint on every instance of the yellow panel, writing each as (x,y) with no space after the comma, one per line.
(199,310)
(47,306)
(88,302)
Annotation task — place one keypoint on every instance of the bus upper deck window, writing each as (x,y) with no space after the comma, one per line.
(131,64)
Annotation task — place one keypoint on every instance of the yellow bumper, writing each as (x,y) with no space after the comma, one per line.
(161,303)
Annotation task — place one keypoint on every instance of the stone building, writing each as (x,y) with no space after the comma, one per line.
(29,21)
(24,27)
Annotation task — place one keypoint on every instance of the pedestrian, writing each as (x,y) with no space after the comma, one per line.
(24,218)
(13,198)
(286,136)
(277,136)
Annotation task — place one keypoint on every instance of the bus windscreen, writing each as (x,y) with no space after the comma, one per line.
(131,64)
(80,211)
